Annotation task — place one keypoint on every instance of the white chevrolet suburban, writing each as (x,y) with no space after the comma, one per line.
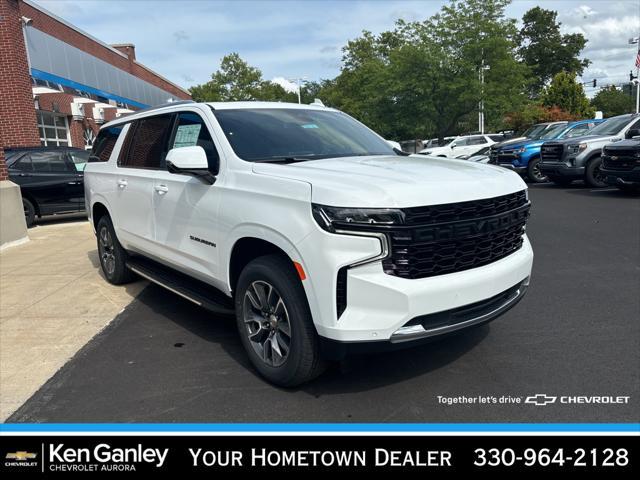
(319,236)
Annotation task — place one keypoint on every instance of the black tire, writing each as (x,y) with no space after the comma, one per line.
(533,171)
(113,257)
(561,181)
(289,363)
(29,212)
(592,174)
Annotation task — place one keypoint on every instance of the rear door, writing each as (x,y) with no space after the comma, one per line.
(52,182)
(78,159)
(142,155)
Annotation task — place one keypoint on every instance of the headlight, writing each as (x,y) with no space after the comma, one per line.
(519,150)
(337,218)
(577,148)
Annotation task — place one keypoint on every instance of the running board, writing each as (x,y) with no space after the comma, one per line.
(200,293)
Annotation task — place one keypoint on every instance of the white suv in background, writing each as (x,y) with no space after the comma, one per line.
(464,146)
(307,226)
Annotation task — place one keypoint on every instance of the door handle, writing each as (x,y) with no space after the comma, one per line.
(122,183)
(161,189)
(73,183)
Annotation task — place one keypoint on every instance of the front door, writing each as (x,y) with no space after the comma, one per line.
(186,208)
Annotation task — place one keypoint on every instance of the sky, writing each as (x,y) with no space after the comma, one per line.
(185,40)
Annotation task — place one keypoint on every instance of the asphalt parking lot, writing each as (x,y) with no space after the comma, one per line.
(576,333)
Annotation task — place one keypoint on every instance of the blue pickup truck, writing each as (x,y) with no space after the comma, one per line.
(523,156)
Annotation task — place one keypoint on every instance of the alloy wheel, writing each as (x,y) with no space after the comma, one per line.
(106,251)
(266,321)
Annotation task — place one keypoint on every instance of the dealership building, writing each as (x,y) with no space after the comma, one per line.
(58,85)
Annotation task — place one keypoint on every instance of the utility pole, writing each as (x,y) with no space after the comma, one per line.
(299,82)
(636,41)
(483,67)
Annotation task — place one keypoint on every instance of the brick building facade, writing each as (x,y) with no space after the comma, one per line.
(59,84)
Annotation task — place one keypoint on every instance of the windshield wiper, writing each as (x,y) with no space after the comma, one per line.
(282,160)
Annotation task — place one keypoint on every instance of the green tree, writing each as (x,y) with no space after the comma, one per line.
(546,51)
(422,78)
(564,92)
(611,102)
(236,80)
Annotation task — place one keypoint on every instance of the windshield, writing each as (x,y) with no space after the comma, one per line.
(265,134)
(611,126)
(534,131)
(552,132)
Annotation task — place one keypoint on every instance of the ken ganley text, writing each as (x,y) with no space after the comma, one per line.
(262,457)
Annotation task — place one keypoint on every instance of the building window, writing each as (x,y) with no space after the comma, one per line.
(89,137)
(54,129)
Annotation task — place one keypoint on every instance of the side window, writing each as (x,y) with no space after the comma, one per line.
(49,162)
(462,142)
(104,143)
(146,142)
(191,131)
(23,164)
(635,125)
(477,141)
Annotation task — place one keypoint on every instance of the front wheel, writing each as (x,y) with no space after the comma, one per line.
(275,323)
(534,173)
(593,174)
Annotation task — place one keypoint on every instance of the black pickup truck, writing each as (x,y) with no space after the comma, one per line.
(621,165)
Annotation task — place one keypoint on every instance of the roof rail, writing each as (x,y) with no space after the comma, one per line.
(168,104)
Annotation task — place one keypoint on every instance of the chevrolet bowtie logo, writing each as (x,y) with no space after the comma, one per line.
(21,456)
(540,399)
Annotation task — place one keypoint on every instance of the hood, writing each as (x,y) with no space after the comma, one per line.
(509,142)
(394,181)
(624,145)
(585,139)
(525,142)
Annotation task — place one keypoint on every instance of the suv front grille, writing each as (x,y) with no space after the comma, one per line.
(449,238)
(622,160)
(551,152)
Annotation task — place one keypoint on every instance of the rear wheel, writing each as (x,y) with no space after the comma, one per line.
(534,173)
(29,212)
(275,324)
(113,257)
(593,174)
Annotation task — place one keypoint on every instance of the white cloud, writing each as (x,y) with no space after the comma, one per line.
(288,85)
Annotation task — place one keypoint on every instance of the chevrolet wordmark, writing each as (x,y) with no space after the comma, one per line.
(318,235)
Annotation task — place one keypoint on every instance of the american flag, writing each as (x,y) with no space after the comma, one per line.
(638,59)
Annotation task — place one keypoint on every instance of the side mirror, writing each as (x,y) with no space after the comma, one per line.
(190,161)
(633,133)
(453,145)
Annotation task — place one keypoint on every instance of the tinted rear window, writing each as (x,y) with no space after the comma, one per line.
(104,143)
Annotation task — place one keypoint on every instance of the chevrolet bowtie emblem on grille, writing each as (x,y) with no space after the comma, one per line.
(21,456)
(540,399)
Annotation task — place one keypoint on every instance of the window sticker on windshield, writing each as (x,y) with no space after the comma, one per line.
(310,125)
(187,136)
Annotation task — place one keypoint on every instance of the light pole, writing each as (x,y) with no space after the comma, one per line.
(483,67)
(299,82)
(636,41)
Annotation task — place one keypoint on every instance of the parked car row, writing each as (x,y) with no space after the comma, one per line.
(599,151)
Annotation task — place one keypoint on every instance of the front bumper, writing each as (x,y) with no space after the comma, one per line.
(389,309)
(622,178)
(561,170)
(514,168)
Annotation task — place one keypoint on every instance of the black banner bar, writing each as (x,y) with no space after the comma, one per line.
(52,456)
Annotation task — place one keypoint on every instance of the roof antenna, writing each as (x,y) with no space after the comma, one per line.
(318,102)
